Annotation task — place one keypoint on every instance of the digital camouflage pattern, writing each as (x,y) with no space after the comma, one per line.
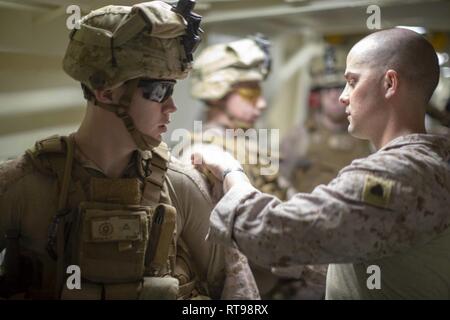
(118,43)
(389,209)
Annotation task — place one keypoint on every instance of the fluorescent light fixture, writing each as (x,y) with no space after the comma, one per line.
(442,57)
(419,30)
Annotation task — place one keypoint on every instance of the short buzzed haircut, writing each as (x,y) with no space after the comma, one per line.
(408,53)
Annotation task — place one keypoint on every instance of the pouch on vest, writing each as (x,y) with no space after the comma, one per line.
(162,233)
(111,241)
(159,288)
(149,288)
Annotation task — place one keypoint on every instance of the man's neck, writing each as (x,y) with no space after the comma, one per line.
(393,131)
(104,140)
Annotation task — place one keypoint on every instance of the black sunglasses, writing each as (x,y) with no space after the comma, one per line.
(156,90)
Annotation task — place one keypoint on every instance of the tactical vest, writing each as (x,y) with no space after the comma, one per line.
(121,233)
(252,161)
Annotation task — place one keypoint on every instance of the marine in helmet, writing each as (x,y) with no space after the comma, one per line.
(109,199)
(228,79)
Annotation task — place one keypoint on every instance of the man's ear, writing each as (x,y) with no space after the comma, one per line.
(390,83)
(104,95)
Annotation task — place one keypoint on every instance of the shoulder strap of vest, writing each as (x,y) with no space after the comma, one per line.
(162,246)
(156,174)
(54,155)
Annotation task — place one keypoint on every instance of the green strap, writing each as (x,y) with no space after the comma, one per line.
(66,176)
(59,162)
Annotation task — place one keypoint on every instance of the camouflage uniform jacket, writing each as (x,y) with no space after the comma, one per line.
(389,209)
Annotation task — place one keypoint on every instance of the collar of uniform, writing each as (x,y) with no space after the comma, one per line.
(129,172)
(442,142)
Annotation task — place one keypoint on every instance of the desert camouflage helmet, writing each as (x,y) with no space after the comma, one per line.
(118,43)
(327,70)
(221,66)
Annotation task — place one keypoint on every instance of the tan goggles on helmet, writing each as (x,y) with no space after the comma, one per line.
(250,94)
(156,90)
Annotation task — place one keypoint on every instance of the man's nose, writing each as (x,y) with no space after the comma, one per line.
(343,98)
(261,103)
(169,106)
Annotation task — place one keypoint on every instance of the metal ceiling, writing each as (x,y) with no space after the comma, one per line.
(276,15)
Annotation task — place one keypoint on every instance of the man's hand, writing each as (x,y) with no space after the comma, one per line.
(211,158)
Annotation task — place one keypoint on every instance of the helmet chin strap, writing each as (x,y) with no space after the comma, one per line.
(143,141)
